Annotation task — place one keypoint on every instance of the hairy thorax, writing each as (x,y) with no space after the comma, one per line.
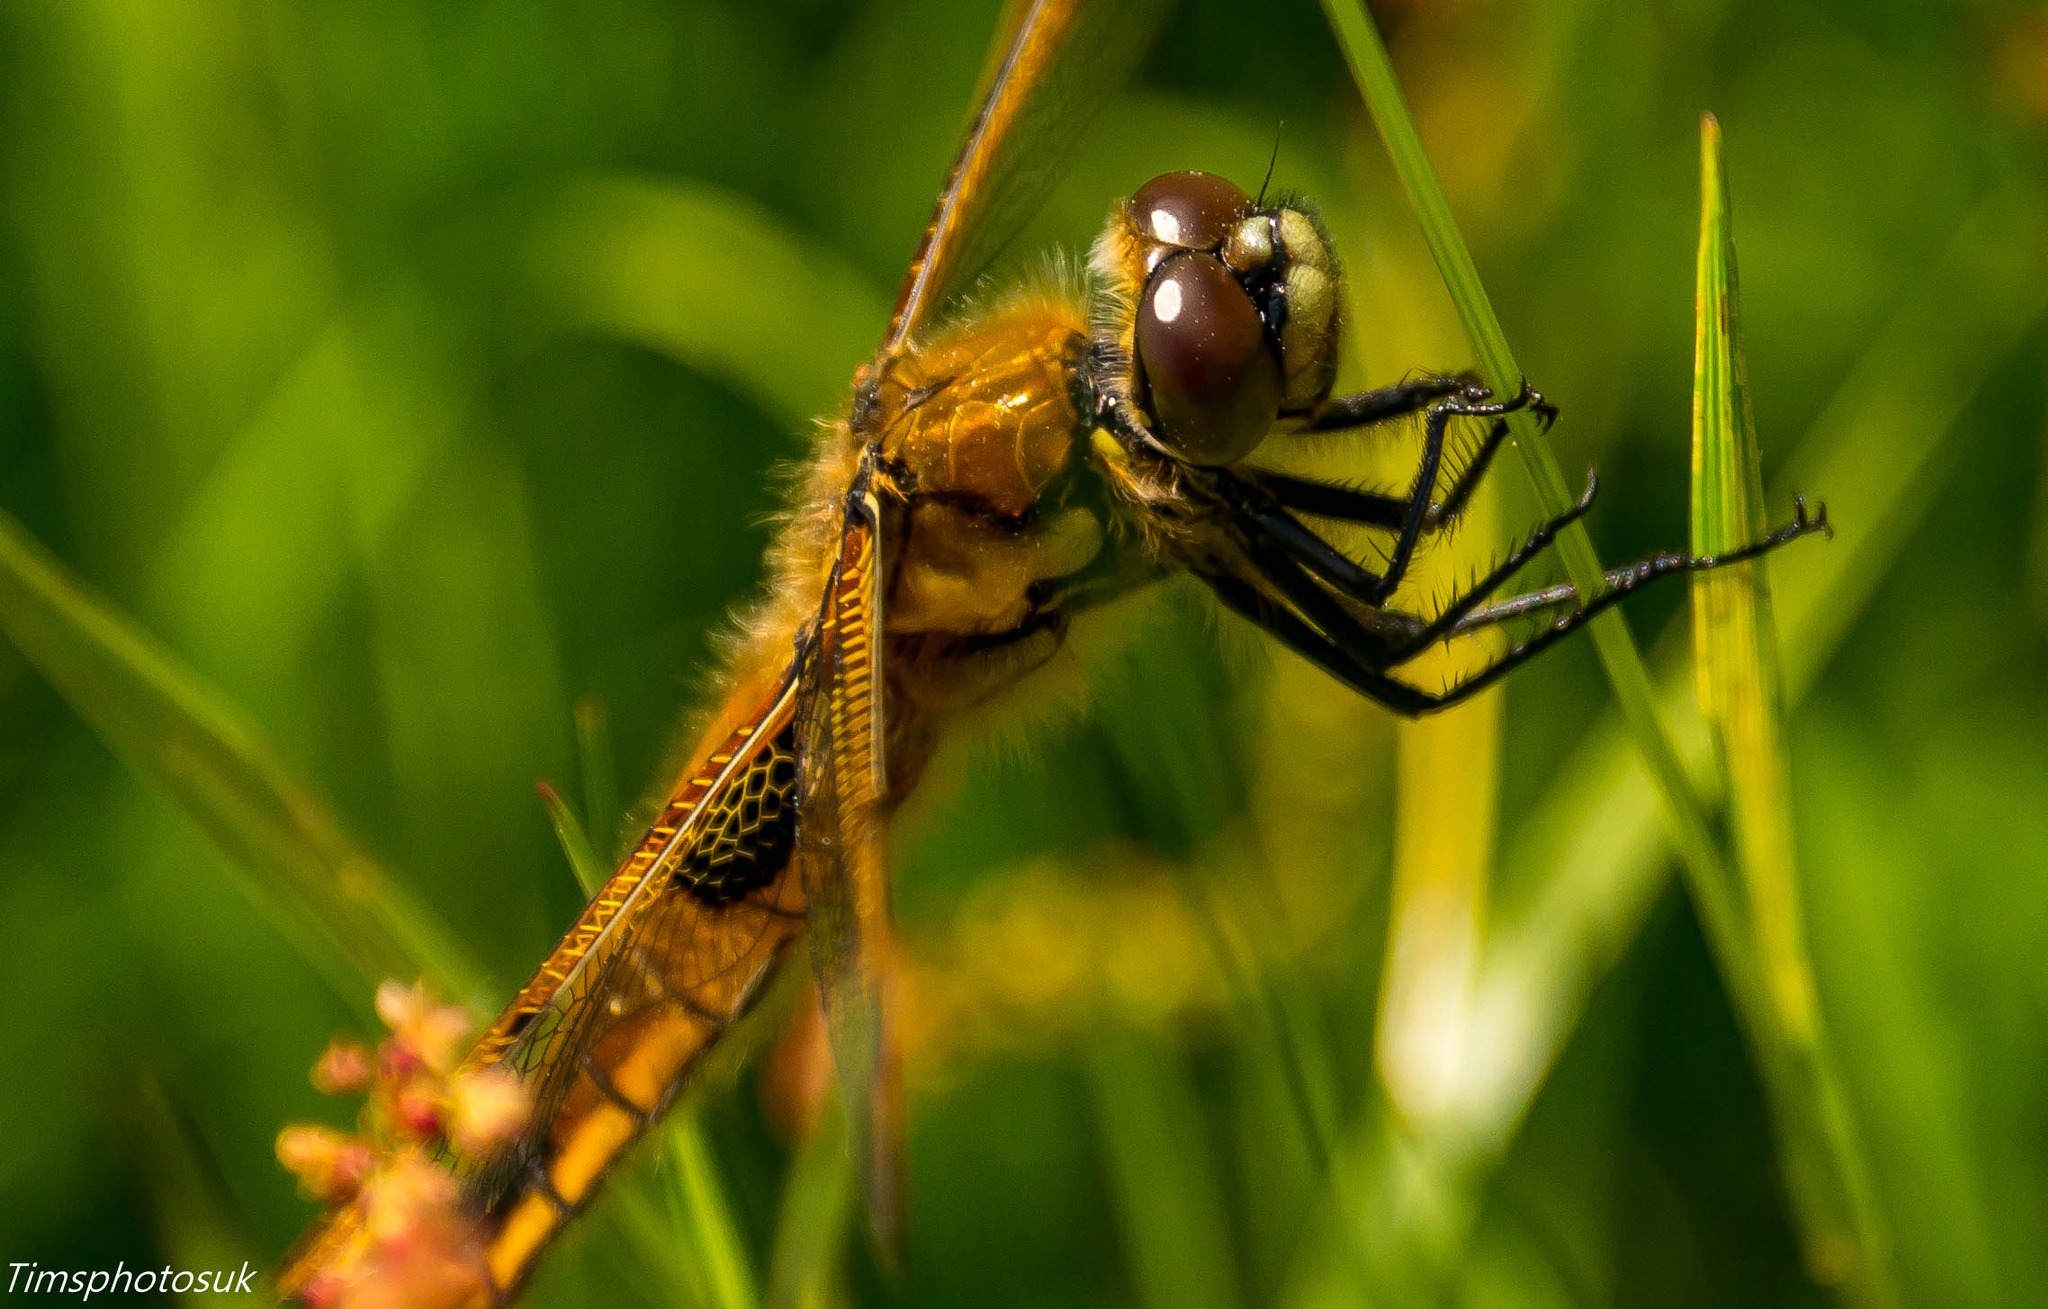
(983,435)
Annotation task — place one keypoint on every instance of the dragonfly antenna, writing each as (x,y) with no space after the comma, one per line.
(1271,160)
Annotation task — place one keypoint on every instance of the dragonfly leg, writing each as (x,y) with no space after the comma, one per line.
(1408,516)
(1243,598)
(1464,603)
(1345,504)
(1365,408)
(1414,394)
(1467,480)
(1313,602)
(1286,554)
(1360,658)
(1410,395)
(1621,583)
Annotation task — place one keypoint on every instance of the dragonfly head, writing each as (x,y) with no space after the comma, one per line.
(1231,321)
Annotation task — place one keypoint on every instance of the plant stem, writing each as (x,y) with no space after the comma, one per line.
(1741,694)
(1708,875)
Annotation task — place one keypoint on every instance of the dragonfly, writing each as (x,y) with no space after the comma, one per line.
(1001,472)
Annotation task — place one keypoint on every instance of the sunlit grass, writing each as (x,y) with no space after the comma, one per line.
(1754,923)
(1741,694)
(1709,876)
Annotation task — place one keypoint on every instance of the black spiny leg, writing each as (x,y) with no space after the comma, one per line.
(1364,408)
(1621,583)
(1343,504)
(1326,654)
(1468,481)
(1346,504)
(1259,507)
(1358,658)
(1463,604)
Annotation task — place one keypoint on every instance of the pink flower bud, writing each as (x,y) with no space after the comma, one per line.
(345,1066)
(330,1165)
(417,1111)
(434,1032)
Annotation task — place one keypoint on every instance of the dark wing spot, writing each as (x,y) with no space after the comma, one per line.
(745,839)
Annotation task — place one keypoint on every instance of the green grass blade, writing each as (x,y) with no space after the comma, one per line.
(1591,850)
(702,1210)
(1882,449)
(1708,874)
(194,1218)
(1446,807)
(1734,642)
(601,807)
(679,1221)
(591,872)
(817,1209)
(1591,854)
(170,728)
(1742,697)
(1168,1200)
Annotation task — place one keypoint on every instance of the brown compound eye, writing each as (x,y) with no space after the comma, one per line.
(1213,381)
(1194,211)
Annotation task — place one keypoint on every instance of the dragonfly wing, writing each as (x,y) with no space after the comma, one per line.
(842,790)
(1054,64)
(671,952)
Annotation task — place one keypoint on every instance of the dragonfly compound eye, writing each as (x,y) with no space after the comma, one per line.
(1212,378)
(1190,211)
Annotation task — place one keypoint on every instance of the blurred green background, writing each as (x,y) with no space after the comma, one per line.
(414,371)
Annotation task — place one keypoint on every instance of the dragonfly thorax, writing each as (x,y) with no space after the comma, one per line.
(980,434)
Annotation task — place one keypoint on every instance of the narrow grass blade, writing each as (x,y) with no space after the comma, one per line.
(1708,874)
(1168,1200)
(1880,449)
(1734,643)
(192,1215)
(1443,853)
(1591,855)
(701,1210)
(591,872)
(601,808)
(1446,800)
(1591,851)
(172,729)
(817,1207)
(1742,697)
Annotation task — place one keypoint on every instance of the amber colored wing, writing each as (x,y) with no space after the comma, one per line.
(1056,62)
(843,786)
(668,955)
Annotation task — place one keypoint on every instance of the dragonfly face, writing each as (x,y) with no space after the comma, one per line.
(1230,309)
(996,475)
